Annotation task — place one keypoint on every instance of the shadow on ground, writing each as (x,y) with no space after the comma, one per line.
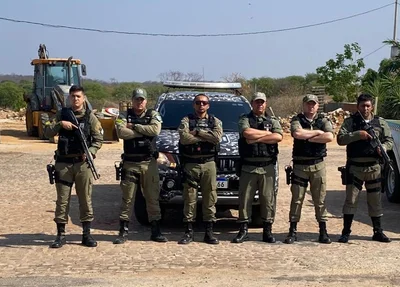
(391,211)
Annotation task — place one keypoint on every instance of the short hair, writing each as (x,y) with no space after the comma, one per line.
(365,98)
(201,94)
(76,88)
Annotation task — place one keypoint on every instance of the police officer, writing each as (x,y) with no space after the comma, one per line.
(200,134)
(258,149)
(311,131)
(139,128)
(363,165)
(70,166)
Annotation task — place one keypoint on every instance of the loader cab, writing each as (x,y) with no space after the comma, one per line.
(49,73)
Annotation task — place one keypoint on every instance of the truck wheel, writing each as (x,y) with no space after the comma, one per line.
(392,183)
(140,208)
(30,129)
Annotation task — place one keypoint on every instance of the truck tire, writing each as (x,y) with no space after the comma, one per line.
(392,183)
(31,131)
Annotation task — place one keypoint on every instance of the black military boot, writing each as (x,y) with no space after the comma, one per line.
(243,233)
(209,234)
(188,236)
(292,235)
(87,238)
(378,231)
(60,239)
(267,233)
(323,234)
(123,232)
(156,232)
(347,221)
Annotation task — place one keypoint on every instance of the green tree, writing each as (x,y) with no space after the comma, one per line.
(123,91)
(96,93)
(387,89)
(369,77)
(11,95)
(340,75)
(264,84)
(27,86)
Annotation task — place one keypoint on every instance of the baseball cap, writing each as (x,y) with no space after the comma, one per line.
(310,98)
(259,96)
(139,93)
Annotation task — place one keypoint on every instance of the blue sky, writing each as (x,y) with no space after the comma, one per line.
(142,58)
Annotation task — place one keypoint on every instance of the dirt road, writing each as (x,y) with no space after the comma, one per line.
(27,208)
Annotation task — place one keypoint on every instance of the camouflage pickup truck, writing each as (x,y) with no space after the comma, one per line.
(227,104)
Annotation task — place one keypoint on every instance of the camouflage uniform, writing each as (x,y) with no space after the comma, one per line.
(308,166)
(140,171)
(363,167)
(71,168)
(200,170)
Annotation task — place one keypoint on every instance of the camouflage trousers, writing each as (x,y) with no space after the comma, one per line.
(371,176)
(66,175)
(145,176)
(316,175)
(205,176)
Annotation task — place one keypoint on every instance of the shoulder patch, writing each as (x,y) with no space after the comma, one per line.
(158,118)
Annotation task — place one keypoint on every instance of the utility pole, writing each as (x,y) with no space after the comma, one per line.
(394,50)
(395,20)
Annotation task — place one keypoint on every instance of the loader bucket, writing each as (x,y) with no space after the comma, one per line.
(109,131)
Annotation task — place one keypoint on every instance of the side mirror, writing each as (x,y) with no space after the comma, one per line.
(83,68)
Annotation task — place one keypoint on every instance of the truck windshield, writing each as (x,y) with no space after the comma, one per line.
(172,113)
(57,74)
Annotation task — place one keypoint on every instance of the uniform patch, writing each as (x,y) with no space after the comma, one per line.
(158,118)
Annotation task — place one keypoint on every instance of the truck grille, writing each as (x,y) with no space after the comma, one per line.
(226,165)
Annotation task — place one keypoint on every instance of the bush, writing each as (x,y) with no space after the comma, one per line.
(11,95)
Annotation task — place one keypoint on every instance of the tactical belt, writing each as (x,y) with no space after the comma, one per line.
(259,163)
(198,159)
(363,164)
(307,161)
(75,159)
(136,158)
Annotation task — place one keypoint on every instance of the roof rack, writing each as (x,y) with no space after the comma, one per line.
(203,85)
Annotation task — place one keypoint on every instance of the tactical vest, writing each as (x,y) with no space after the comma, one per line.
(144,145)
(200,148)
(303,148)
(68,140)
(258,150)
(363,148)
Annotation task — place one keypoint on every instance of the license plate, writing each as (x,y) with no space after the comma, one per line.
(222,183)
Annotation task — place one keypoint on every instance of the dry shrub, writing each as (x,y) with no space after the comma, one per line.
(286,105)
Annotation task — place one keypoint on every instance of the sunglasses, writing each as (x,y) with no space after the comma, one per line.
(204,103)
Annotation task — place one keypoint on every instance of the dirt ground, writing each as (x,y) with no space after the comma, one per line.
(26,229)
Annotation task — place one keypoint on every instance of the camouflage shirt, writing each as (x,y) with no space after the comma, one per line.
(96,131)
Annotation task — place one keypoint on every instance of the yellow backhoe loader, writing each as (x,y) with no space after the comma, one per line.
(51,82)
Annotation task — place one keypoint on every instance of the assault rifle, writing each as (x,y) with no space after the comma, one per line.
(82,138)
(376,143)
